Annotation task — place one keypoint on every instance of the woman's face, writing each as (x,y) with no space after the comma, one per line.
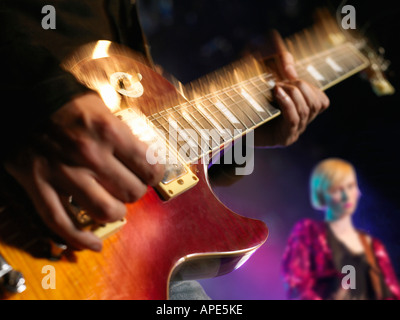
(342,197)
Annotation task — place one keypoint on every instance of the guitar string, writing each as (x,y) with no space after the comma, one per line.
(184,127)
(302,74)
(176,111)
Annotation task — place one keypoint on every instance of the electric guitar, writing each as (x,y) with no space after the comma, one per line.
(178,230)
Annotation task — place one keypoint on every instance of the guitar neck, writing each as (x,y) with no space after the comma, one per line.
(332,66)
(209,121)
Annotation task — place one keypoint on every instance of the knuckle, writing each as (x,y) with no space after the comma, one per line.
(53,219)
(326,102)
(291,90)
(107,128)
(286,57)
(300,83)
(305,112)
(155,175)
(134,194)
(88,150)
(108,211)
(293,122)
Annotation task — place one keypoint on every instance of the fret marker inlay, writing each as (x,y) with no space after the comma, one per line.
(226,112)
(252,102)
(332,63)
(315,73)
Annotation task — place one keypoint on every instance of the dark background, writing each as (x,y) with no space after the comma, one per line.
(192,38)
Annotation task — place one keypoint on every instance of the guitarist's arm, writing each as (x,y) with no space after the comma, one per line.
(57,137)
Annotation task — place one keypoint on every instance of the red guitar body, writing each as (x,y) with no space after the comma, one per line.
(191,236)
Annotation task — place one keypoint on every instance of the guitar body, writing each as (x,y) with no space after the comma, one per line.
(190,236)
(138,261)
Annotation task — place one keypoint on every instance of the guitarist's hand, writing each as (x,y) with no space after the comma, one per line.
(86,152)
(299,101)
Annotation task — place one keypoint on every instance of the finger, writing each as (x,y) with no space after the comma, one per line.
(324,99)
(311,98)
(54,215)
(300,104)
(286,60)
(121,182)
(90,194)
(133,154)
(290,117)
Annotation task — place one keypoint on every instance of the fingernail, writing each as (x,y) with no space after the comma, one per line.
(280,92)
(290,69)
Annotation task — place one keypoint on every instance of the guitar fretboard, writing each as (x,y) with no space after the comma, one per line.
(207,123)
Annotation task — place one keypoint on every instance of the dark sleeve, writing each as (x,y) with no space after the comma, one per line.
(32,83)
(32,87)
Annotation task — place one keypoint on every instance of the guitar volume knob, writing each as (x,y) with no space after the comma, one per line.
(11,280)
(14,282)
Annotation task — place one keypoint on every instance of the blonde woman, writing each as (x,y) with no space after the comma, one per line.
(331,259)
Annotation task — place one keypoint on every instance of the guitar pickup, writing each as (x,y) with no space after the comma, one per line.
(177,179)
(85,222)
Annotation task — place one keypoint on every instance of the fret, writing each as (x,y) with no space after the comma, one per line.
(157,120)
(343,59)
(264,90)
(254,105)
(163,135)
(219,134)
(192,135)
(209,103)
(188,148)
(202,132)
(207,127)
(257,100)
(354,55)
(162,124)
(305,75)
(326,70)
(176,137)
(228,100)
(334,66)
(244,105)
(208,131)
(208,122)
(228,111)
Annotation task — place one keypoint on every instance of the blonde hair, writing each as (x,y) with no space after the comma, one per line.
(326,174)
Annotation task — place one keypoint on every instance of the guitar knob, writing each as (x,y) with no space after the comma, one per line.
(11,280)
(14,282)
